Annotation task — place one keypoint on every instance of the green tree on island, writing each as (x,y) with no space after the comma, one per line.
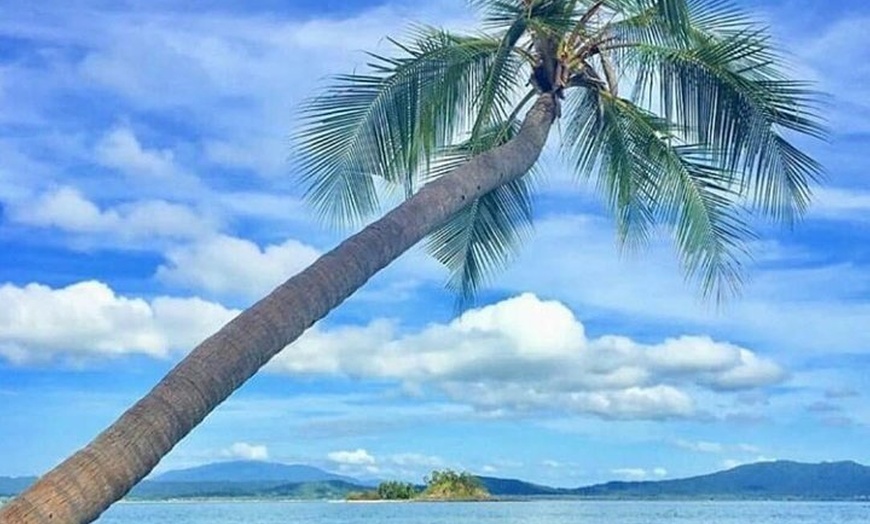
(676,110)
(387,490)
(394,490)
(450,485)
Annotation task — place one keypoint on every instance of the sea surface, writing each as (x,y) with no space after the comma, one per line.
(523,512)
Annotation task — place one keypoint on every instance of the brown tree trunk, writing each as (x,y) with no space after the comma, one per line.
(87,483)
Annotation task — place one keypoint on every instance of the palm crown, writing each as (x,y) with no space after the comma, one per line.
(678,110)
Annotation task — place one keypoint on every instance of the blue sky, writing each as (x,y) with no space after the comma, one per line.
(148,193)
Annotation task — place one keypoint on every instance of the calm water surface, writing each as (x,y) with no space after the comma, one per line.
(538,512)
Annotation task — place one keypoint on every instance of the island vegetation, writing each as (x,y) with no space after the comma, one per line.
(440,485)
(449,485)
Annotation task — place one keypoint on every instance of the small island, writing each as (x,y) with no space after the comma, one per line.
(440,485)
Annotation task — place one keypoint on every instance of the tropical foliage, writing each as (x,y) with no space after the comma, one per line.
(678,111)
(394,490)
(450,485)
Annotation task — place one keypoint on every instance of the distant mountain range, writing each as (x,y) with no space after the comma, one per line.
(251,471)
(763,480)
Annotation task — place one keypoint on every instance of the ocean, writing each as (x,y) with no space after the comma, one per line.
(521,512)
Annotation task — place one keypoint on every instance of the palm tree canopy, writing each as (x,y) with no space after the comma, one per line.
(678,110)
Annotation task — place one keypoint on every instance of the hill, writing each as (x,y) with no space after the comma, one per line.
(316,490)
(247,479)
(763,480)
(328,490)
(500,487)
(251,471)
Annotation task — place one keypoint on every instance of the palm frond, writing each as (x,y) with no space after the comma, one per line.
(484,237)
(649,179)
(726,95)
(698,199)
(678,23)
(389,123)
(597,142)
(545,16)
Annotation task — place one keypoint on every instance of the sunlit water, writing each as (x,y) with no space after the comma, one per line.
(537,512)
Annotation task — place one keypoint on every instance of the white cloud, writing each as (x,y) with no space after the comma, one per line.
(147,170)
(639,473)
(66,209)
(237,74)
(700,446)
(120,149)
(750,371)
(245,451)
(722,366)
(529,354)
(227,265)
(416,460)
(694,354)
(357,457)
(89,320)
(840,204)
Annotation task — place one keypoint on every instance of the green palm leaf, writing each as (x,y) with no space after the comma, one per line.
(484,237)
(552,15)
(723,94)
(601,148)
(650,180)
(391,122)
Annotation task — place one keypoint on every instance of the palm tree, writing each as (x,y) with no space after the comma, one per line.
(678,111)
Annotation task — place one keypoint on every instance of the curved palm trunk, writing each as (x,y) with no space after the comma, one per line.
(88,482)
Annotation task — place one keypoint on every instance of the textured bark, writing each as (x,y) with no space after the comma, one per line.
(86,484)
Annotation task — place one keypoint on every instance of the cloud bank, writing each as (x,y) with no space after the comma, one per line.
(527,354)
(89,320)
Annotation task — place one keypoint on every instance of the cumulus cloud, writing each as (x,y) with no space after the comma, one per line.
(357,457)
(89,320)
(66,209)
(409,465)
(528,354)
(227,265)
(245,451)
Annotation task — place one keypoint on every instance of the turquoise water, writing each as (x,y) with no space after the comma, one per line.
(537,512)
